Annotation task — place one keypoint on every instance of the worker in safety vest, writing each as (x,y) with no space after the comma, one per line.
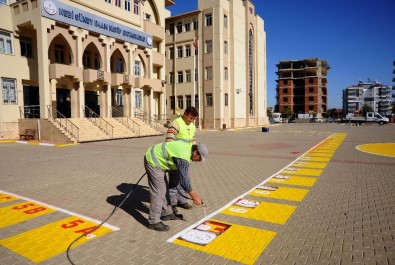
(159,159)
(181,129)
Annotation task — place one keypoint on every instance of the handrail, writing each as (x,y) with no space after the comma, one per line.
(151,121)
(130,124)
(64,122)
(29,112)
(102,124)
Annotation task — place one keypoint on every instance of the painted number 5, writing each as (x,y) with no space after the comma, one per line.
(72,224)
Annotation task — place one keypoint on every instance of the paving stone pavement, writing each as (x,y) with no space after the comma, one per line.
(347,217)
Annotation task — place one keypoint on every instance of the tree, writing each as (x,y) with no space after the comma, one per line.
(366,108)
(331,112)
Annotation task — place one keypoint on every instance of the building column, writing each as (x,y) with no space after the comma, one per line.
(127,101)
(105,101)
(52,92)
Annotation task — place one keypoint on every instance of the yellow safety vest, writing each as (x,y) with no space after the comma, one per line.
(186,132)
(161,155)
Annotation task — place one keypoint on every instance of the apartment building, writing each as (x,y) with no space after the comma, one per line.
(371,93)
(72,58)
(302,87)
(216,62)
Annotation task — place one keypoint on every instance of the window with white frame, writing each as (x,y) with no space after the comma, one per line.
(226,99)
(171,53)
(26,47)
(209,99)
(209,73)
(147,17)
(137,70)
(108,1)
(195,24)
(171,78)
(9,90)
(187,26)
(137,99)
(171,29)
(179,27)
(6,45)
(180,77)
(225,21)
(209,20)
(188,101)
(226,73)
(197,101)
(209,46)
(119,98)
(136,8)
(187,50)
(127,5)
(179,52)
(180,101)
(225,47)
(172,102)
(59,53)
(118,3)
(188,76)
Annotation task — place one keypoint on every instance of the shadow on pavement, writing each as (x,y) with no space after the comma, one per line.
(134,204)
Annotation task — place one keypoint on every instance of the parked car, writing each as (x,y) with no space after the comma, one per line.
(330,120)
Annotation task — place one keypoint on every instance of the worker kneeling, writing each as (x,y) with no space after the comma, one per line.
(158,160)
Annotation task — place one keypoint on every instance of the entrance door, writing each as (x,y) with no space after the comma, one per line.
(31,102)
(91,101)
(63,102)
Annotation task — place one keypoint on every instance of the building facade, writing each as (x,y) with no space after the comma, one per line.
(76,57)
(216,62)
(302,87)
(371,93)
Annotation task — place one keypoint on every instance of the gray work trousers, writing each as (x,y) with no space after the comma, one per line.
(157,184)
(176,193)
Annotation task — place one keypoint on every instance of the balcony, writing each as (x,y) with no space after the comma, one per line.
(93,75)
(155,30)
(119,79)
(158,59)
(58,71)
(155,84)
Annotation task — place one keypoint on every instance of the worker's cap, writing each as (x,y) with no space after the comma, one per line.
(203,151)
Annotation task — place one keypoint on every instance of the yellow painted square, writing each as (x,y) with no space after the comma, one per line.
(21,212)
(266,211)
(282,193)
(47,241)
(305,164)
(294,180)
(302,171)
(7,198)
(320,154)
(239,243)
(314,159)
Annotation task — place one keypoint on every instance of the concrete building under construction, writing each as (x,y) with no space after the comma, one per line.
(302,87)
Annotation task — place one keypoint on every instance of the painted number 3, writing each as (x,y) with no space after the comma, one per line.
(30,211)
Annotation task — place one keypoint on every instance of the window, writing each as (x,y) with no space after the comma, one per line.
(188,100)
(147,17)
(187,26)
(127,5)
(171,78)
(180,77)
(136,8)
(59,53)
(171,53)
(226,73)
(197,101)
(179,52)
(209,99)
(6,43)
(209,20)
(225,47)
(196,75)
(311,98)
(119,98)
(108,1)
(209,46)
(285,82)
(97,61)
(137,68)
(311,89)
(226,99)
(26,47)
(172,102)
(311,107)
(171,29)
(137,99)
(119,66)
(285,90)
(118,3)
(86,59)
(180,101)
(285,99)
(195,24)
(225,21)
(9,90)
(179,27)
(311,80)
(187,50)
(188,76)
(209,73)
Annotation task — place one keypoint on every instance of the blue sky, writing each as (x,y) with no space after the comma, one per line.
(356,38)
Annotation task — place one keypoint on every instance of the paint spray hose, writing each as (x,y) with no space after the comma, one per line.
(97,227)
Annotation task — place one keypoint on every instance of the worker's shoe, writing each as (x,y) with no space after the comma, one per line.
(185,206)
(172,216)
(174,208)
(159,227)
